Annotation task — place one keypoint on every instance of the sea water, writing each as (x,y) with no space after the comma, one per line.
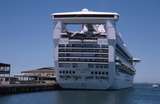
(139,94)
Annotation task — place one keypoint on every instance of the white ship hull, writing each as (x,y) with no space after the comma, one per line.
(120,81)
(84,85)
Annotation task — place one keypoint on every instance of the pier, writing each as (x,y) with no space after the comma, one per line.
(24,88)
(41,79)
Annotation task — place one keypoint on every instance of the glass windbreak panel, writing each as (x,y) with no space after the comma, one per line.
(83,31)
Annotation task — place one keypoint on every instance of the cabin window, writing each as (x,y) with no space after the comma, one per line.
(104,46)
(74,65)
(90,66)
(64,65)
(61,45)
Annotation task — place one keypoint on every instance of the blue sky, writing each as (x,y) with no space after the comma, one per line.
(26,31)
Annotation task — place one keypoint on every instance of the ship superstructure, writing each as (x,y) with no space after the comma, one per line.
(89,52)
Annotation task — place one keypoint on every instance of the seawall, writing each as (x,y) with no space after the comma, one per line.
(23,88)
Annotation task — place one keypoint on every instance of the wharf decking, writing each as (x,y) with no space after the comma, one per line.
(23,88)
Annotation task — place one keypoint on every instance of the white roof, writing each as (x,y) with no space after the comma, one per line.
(86,12)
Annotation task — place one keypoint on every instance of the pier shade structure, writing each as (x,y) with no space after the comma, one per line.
(39,75)
(4,73)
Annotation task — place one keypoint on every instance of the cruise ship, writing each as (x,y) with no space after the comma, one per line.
(89,52)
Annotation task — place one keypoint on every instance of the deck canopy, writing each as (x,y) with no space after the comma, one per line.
(85,14)
(4,65)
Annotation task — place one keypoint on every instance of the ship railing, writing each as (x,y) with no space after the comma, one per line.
(82,60)
(84,50)
(86,57)
(82,36)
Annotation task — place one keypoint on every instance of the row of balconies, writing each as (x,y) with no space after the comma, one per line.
(84,45)
(83,50)
(82,55)
(124,69)
(81,60)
